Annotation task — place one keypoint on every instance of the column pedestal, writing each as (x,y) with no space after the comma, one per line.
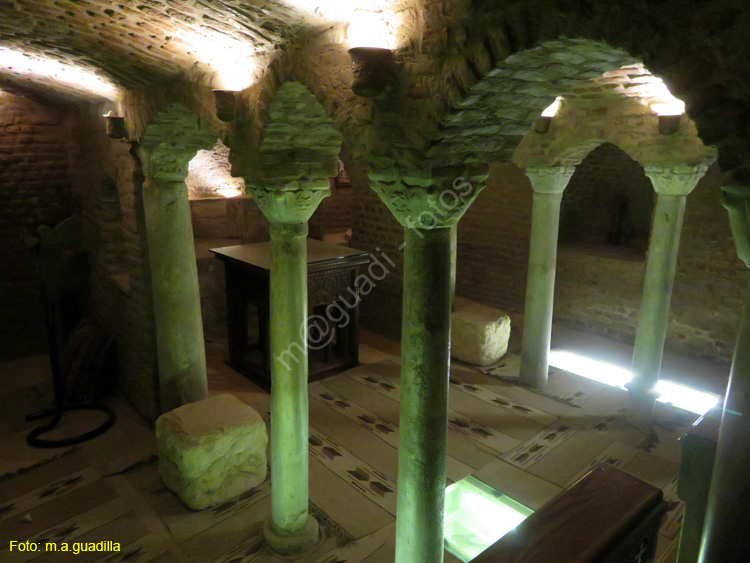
(548,184)
(424,395)
(180,348)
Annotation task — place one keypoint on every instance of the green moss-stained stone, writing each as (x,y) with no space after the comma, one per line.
(212,450)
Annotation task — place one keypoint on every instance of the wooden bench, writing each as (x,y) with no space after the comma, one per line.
(608,516)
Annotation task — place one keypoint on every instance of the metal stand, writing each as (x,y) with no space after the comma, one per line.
(60,407)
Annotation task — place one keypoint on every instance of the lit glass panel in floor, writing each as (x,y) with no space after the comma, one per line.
(678,395)
(476,516)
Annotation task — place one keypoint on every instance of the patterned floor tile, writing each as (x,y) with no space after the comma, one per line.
(532,451)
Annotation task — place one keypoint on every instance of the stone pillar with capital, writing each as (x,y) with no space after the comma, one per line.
(428,209)
(548,183)
(291,529)
(725,536)
(672,185)
(288,176)
(170,141)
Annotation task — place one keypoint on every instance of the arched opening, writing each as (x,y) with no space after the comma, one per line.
(607,206)
(222,214)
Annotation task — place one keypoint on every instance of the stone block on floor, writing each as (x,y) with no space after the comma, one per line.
(212,450)
(479,334)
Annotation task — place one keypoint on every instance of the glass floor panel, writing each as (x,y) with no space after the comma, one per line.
(476,516)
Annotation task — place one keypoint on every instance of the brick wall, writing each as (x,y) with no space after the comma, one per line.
(336,212)
(606,185)
(108,185)
(35,190)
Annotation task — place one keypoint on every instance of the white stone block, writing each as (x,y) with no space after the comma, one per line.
(212,450)
(479,334)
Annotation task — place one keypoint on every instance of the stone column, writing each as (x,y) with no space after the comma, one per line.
(454,259)
(725,534)
(291,529)
(672,185)
(180,347)
(428,216)
(548,184)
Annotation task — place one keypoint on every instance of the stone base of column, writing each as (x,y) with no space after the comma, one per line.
(641,403)
(292,544)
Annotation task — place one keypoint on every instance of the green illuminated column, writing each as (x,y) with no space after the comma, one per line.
(425,342)
(288,175)
(291,529)
(454,259)
(672,185)
(428,216)
(725,536)
(548,184)
(181,354)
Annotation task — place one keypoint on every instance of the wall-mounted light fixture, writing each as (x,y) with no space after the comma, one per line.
(115,126)
(226,104)
(670,114)
(373,71)
(542,124)
(669,124)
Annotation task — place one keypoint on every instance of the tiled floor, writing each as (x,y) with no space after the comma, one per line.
(528,445)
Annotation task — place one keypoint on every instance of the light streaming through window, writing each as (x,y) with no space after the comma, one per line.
(678,395)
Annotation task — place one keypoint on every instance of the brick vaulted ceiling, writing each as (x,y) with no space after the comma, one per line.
(137,43)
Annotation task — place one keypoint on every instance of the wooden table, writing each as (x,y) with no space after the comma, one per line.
(331,273)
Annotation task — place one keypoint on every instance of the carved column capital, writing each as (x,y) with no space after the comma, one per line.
(167,164)
(677,180)
(550,179)
(285,205)
(434,204)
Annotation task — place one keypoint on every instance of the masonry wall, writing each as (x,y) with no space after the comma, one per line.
(608,202)
(108,185)
(335,213)
(35,191)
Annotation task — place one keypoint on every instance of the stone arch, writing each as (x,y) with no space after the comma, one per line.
(676,44)
(612,108)
(490,121)
(170,141)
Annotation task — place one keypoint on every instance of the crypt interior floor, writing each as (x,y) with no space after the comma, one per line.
(523,443)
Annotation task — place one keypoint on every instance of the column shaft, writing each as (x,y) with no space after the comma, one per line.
(289,407)
(540,288)
(424,396)
(454,260)
(174,280)
(725,536)
(654,313)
